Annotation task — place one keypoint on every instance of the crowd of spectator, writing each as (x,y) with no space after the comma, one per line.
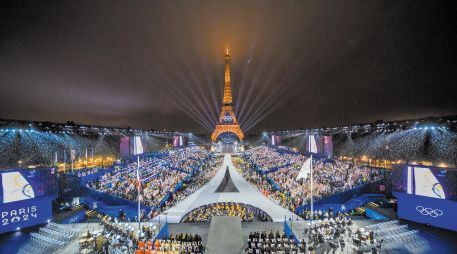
(190,186)
(246,213)
(159,176)
(330,176)
(267,158)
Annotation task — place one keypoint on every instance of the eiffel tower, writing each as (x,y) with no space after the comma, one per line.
(227,128)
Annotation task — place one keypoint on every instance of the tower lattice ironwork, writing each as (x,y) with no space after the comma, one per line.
(227,124)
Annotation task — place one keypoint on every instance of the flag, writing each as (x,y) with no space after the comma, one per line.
(73,154)
(138,174)
(305,169)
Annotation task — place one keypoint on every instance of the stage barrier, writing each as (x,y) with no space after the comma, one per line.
(288,231)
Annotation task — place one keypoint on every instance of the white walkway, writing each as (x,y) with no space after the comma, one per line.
(247,194)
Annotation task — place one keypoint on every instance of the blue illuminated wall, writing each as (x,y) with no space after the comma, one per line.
(426,194)
(26,197)
(436,212)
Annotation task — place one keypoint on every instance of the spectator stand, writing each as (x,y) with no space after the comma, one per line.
(258,169)
(110,203)
(220,209)
(284,149)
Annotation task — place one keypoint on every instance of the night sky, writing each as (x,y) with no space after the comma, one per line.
(151,64)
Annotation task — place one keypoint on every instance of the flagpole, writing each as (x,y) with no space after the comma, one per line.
(64,161)
(138,178)
(311,170)
(71,158)
(312,191)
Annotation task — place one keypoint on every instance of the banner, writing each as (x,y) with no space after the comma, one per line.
(427,210)
(75,218)
(22,214)
(26,197)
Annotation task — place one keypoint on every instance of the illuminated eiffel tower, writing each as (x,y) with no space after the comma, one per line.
(227,128)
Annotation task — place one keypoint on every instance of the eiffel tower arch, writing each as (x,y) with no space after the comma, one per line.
(227,128)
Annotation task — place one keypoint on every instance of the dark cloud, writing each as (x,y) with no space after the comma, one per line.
(295,64)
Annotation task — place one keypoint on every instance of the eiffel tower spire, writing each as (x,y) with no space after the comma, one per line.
(227,87)
(227,128)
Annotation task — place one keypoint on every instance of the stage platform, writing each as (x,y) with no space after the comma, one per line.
(247,194)
(225,235)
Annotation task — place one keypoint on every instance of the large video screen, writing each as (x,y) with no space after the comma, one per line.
(22,184)
(426,195)
(426,181)
(26,197)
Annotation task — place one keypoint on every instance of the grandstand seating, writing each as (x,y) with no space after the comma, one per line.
(274,171)
(161,177)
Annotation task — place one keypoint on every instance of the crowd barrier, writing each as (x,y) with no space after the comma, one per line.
(130,210)
(372,214)
(110,199)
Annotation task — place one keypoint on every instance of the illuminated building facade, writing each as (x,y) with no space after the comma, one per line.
(227,128)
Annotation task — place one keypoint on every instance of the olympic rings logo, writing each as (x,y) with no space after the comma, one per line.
(429,211)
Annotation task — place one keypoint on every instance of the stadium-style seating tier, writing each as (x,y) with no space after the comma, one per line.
(164,179)
(247,213)
(274,172)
